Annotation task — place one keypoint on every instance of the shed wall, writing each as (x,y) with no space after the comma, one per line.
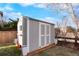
(33,35)
(52,34)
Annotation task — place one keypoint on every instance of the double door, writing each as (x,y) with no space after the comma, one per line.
(44,34)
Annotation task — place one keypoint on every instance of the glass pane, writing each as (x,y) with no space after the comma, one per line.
(42,29)
(47,30)
(42,40)
(47,39)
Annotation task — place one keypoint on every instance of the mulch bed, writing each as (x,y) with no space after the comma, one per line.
(68,44)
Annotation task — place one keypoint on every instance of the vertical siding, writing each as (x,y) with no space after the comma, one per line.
(52,34)
(24,31)
(33,35)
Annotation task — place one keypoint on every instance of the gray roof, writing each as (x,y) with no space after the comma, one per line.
(39,20)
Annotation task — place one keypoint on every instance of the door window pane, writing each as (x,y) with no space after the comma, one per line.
(47,29)
(42,29)
(42,40)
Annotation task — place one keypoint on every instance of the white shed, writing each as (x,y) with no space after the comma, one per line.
(34,34)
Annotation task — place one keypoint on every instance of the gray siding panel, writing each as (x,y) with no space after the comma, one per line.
(52,34)
(33,35)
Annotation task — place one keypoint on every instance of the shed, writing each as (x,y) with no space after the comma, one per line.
(34,34)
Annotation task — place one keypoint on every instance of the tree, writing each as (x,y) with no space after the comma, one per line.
(57,32)
(69,8)
(75,20)
(70,29)
(73,30)
(11,25)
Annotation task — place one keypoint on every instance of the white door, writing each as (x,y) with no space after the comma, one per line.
(47,35)
(44,34)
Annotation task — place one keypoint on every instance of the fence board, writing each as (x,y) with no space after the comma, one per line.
(7,36)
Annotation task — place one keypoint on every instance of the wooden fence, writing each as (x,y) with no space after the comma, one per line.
(7,36)
(68,39)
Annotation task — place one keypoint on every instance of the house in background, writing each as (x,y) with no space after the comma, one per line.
(34,34)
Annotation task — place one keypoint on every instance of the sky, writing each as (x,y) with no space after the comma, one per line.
(41,11)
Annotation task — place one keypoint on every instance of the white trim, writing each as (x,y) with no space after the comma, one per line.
(45,35)
(49,33)
(39,36)
(20,32)
(27,34)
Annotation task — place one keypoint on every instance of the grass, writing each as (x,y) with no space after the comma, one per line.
(10,50)
(59,51)
(44,53)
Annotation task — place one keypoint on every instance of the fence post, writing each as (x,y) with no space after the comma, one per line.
(76,38)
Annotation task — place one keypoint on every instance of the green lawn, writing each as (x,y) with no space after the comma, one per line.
(9,50)
(59,51)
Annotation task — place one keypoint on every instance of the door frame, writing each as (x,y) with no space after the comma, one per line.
(40,23)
